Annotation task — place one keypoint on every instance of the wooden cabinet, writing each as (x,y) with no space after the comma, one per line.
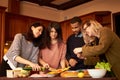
(14,6)
(16,23)
(116,23)
(2,28)
(104,17)
(66,29)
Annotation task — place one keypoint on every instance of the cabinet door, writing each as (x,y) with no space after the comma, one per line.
(19,24)
(87,17)
(66,30)
(14,25)
(105,20)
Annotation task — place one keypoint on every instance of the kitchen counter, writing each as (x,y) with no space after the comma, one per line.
(58,78)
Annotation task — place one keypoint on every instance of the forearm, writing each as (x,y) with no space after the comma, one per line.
(62,63)
(41,61)
(35,67)
(68,56)
(22,60)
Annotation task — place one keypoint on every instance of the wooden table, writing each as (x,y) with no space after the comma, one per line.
(58,78)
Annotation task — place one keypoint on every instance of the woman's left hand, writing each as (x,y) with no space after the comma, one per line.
(77,50)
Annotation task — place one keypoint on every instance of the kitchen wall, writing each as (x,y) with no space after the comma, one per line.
(4,3)
(96,5)
(42,12)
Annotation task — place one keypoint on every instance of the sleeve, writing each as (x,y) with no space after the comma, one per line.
(68,55)
(35,55)
(105,41)
(15,48)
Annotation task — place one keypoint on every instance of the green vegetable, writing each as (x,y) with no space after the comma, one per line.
(43,69)
(80,71)
(103,65)
(27,68)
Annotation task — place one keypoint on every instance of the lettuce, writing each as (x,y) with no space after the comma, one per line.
(103,65)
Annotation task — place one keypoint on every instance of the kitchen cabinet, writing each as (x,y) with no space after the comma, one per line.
(104,17)
(16,23)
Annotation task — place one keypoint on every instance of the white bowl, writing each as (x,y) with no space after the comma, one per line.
(97,73)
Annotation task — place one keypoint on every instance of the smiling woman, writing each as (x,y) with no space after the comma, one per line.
(24,49)
(53,56)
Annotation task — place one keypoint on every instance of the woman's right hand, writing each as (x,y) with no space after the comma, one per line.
(35,67)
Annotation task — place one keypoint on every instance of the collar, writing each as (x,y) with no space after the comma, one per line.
(79,35)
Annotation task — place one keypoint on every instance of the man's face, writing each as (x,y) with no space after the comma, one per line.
(75,27)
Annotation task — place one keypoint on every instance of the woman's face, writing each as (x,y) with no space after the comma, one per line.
(88,30)
(37,31)
(53,33)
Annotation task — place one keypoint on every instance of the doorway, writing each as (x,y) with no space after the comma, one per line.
(116,23)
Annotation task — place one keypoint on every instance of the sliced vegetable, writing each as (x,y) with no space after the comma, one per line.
(27,68)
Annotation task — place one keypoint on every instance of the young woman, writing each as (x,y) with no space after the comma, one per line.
(109,44)
(53,56)
(24,49)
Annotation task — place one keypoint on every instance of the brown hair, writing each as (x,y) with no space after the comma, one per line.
(76,19)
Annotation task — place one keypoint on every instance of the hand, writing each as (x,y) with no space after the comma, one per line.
(77,50)
(72,62)
(35,67)
(46,65)
(80,56)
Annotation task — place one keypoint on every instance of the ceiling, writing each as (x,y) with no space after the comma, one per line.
(59,4)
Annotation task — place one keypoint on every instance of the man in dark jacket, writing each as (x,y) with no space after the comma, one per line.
(75,40)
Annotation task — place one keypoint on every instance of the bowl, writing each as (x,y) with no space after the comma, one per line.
(97,73)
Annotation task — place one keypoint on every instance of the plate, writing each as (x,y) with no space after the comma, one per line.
(41,75)
(69,74)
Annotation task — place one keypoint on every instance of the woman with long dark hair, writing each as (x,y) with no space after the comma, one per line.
(24,49)
(53,56)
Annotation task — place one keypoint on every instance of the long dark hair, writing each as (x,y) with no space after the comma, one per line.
(40,41)
(58,29)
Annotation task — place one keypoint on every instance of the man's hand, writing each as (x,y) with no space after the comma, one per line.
(72,62)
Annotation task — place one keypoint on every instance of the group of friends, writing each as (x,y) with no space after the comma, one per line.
(44,46)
